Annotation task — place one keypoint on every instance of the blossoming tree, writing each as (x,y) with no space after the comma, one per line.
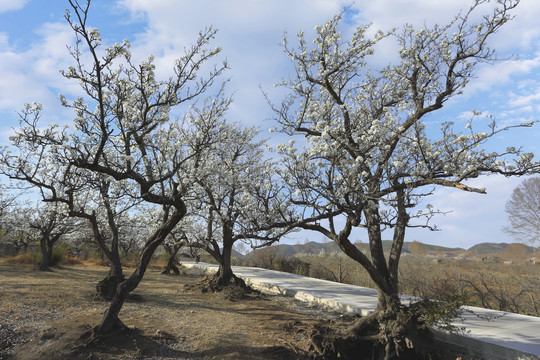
(15,231)
(368,159)
(123,132)
(239,198)
(92,197)
(50,224)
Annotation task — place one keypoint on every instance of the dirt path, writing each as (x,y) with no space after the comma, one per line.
(43,314)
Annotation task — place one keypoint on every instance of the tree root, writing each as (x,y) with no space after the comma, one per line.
(233,289)
(381,335)
(173,270)
(102,331)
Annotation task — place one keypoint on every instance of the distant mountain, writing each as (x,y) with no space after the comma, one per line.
(309,248)
(488,248)
(387,245)
(236,254)
(493,248)
(315,248)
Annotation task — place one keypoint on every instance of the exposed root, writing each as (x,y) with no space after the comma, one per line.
(325,342)
(234,289)
(102,331)
(381,335)
(171,268)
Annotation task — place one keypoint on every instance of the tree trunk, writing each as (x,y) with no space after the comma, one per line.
(171,267)
(225,273)
(383,334)
(116,267)
(45,258)
(388,329)
(106,288)
(50,247)
(111,323)
(225,276)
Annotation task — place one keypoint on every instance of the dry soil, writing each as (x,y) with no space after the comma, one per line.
(44,314)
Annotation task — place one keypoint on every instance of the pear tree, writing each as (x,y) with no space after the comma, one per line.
(366,157)
(129,128)
(239,198)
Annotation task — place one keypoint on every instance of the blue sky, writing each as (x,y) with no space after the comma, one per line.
(34,34)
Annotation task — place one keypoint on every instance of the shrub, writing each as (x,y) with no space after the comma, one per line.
(34,258)
(31,258)
(293,265)
(95,257)
(71,261)
(58,255)
(132,260)
(237,261)
(207,258)
(97,261)
(320,272)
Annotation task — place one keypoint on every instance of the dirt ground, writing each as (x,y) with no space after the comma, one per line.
(44,314)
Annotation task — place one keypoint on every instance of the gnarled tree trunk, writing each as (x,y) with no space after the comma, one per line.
(106,288)
(111,323)
(171,267)
(225,276)
(45,256)
(390,329)
(46,244)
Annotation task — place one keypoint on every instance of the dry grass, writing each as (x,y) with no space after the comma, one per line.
(489,284)
(53,309)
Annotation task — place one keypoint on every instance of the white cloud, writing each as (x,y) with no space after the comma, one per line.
(501,73)
(525,101)
(9,5)
(526,96)
(33,75)
(522,32)
(250,34)
(4,41)
(387,14)
(474,217)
